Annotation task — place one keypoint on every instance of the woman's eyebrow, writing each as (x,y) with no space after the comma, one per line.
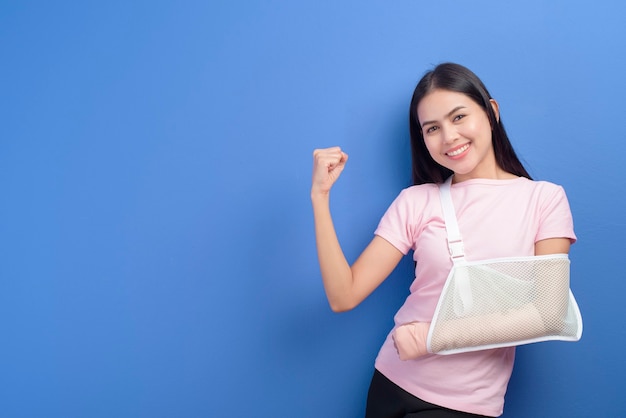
(446,116)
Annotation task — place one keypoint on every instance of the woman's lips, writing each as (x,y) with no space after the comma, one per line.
(458,152)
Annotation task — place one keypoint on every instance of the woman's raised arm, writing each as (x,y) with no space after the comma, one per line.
(346,286)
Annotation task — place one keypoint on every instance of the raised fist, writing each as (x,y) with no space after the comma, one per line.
(328,163)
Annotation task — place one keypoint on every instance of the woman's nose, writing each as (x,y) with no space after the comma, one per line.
(449,134)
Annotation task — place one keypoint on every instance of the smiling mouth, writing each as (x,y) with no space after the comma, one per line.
(457,151)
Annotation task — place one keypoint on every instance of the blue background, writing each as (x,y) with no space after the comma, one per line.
(156,236)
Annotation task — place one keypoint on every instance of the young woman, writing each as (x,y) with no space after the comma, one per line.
(456,130)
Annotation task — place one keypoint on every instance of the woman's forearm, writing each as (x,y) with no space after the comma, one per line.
(335,269)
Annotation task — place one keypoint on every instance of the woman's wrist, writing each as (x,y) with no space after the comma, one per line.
(319,196)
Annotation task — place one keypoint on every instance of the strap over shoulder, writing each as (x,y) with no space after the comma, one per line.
(455,240)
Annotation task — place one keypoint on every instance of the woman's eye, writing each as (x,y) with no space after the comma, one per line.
(431,129)
(458,118)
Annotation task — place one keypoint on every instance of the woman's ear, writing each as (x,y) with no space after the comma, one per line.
(496,109)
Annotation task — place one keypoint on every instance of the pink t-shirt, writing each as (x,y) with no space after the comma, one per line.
(497,218)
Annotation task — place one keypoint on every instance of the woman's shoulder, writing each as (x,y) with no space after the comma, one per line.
(542,186)
(542,192)
(421,188)
(419,192)
(417,198)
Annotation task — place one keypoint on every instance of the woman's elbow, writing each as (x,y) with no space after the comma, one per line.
(342,306)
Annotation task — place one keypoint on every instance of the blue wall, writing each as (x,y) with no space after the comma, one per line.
(156,237)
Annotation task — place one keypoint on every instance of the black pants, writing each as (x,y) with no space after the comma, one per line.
(385,399)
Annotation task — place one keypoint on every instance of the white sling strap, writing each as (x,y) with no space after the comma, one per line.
(457,249)
(455,241)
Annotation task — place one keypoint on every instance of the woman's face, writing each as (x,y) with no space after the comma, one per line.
(457,134)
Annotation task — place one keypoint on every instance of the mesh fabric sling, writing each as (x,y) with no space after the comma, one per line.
(501,302)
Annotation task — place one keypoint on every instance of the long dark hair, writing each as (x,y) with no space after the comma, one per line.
(455,77)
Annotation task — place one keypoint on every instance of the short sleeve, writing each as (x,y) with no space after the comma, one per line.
(397,225)
(556,217)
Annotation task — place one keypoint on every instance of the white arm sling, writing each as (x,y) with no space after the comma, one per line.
(501,302)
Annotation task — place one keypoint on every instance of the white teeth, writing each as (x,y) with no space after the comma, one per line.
(459,151)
